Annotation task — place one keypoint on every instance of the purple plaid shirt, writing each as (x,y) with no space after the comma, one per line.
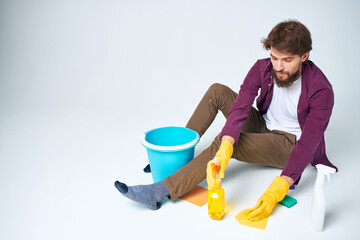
(314,111)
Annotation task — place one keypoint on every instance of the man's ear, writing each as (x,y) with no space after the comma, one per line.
(305,56)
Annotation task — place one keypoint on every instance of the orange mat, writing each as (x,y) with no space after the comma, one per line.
(198,196)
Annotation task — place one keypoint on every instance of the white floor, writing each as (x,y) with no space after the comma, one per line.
(57,179)
(81,81)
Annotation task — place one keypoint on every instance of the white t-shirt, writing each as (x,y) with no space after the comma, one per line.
(282,112)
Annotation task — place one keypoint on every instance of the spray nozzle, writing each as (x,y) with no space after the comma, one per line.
(215,164)
(322,172)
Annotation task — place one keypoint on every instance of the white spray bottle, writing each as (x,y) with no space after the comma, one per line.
(318,205)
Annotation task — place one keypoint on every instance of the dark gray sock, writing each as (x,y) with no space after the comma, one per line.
(151,195)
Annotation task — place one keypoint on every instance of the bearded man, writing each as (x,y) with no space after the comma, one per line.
(286,130)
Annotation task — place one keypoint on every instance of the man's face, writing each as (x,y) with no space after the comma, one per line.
(286,67)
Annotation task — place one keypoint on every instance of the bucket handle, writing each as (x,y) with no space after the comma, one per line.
(169,148)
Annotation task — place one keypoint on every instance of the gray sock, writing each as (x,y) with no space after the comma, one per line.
(151,195)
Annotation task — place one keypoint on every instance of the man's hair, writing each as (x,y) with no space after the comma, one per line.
(289,36)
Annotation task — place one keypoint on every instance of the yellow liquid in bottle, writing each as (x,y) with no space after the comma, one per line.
(216,202)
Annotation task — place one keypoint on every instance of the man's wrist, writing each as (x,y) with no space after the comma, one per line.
(229,139)
(289,180)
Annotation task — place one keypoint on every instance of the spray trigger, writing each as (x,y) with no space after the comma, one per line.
(322,172)
(215,164)
(216,161)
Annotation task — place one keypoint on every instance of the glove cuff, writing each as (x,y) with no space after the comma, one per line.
(226,150)
(278,188)
(282,183)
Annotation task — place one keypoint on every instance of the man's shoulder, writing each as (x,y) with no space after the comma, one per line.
(315,77)
(313,69)
(264,65)
(313,72)
(264,61)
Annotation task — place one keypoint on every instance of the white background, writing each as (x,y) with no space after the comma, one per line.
(81,81)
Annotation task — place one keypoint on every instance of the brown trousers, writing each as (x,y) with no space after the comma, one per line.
(256,143)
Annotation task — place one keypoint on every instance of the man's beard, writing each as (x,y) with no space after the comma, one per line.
(289,81)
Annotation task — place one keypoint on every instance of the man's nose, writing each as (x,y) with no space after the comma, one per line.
(279,66)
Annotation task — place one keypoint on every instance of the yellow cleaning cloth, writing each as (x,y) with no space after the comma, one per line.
(198,196)
(242,218)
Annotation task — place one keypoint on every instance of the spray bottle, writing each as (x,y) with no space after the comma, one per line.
(318,205)
(216,196)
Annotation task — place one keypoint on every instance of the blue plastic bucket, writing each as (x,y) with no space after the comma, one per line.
(168,149)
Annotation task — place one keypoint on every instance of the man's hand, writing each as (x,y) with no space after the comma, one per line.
(210,174)
(266,203)
(223,155)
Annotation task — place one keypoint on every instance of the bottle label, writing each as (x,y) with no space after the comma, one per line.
(215,195)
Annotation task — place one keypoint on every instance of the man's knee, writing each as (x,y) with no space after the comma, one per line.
(217,89)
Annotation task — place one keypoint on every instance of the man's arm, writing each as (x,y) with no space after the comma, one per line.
(316,122)
(241,107)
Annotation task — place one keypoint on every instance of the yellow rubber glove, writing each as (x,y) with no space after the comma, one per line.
(266,203)
(223,155)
